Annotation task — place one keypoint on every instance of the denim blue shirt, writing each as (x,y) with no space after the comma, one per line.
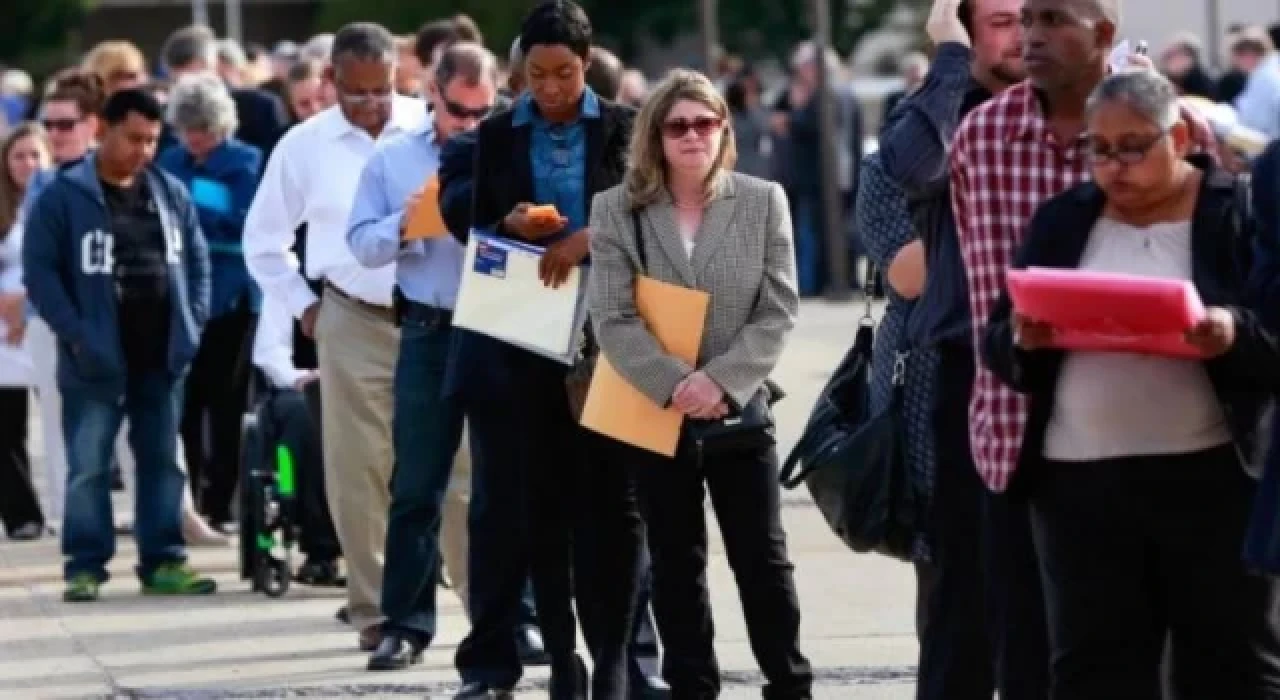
(427,271)
(558,154)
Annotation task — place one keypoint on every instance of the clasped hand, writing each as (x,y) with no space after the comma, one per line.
(699,397)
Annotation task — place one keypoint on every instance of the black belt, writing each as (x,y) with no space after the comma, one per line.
(423,315)
(384,313)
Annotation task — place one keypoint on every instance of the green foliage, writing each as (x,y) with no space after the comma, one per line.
(754,28)
(36,34)
(498,19)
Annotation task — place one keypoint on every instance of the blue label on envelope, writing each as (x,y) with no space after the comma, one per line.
(491,260)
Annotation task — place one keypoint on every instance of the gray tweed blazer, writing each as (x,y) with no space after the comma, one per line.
(743,257)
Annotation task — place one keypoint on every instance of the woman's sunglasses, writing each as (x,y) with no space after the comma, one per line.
(677,128)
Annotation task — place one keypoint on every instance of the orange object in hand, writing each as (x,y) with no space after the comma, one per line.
(544,214)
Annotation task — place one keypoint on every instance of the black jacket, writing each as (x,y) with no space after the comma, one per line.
(457,161)
(1244,378)
(502,177)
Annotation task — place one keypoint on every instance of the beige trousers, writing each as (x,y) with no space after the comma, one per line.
(357,352)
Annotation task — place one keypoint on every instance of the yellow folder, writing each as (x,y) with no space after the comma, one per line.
(676,316)
(424,220)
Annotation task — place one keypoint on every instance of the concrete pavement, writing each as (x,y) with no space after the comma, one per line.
(858,610)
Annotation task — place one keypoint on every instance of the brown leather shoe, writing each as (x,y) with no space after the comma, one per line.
(370,638)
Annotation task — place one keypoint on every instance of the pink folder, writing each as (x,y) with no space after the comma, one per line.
(1109,312)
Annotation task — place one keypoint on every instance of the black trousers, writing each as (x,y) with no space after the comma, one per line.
(293,425)
(18,503)
(980,607)
(745,494)
(1137,551)
(214,404)
(547,505)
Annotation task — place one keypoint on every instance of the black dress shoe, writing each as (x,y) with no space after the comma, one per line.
(320,573)
(479,690)
(396,652)
(343,615)
(529,644)
(569,679)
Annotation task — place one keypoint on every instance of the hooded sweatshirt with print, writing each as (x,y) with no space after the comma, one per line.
(69,272)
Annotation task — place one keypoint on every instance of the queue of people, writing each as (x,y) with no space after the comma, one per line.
(1086,511)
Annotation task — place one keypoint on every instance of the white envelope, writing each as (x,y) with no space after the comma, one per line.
(502,297)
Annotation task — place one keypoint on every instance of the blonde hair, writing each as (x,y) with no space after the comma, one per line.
(646,179)
(111,57)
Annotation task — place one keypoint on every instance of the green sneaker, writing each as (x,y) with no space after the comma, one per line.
(178,579)
(82,588)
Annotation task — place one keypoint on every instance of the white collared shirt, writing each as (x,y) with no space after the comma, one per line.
(311,178)
(273,344)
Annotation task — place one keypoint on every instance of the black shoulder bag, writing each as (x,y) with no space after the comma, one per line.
(747,428)
(853,459)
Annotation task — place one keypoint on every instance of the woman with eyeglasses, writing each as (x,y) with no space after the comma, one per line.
(1137,463)
(683,217)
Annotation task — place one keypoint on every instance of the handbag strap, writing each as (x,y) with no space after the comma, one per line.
(640,248)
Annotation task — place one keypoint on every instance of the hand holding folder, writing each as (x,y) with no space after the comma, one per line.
(423,219)
(676,316)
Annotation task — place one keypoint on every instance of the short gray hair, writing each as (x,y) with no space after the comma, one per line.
(467,60)
(1146,92)
(230,51)
(188,45)
(317,48)
(364,41)
(202,102)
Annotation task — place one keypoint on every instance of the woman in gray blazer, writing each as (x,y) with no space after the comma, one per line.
(703,227)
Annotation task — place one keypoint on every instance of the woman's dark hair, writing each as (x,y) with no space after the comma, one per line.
(83,88)
(431,36)
(132,101)
(965,12)
(557,23)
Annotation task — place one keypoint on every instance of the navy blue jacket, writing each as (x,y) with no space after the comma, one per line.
(69,276)
(237,167)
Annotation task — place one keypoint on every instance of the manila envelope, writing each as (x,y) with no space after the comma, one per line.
(424,219)
(676,316)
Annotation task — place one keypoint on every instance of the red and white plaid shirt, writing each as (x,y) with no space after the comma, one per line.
(1005,163)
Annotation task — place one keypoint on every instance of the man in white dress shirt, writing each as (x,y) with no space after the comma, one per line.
(311,178)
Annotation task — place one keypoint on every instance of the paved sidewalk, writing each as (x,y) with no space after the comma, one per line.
(858,610)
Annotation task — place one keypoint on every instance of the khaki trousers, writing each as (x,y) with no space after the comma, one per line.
(357,351)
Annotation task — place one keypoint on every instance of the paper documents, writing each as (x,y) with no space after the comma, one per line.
(676,316)
(424,219)
(502,297)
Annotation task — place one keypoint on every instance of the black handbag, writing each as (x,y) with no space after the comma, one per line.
(747,428)
(853,461)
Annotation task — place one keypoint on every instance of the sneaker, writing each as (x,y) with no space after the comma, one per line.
(82,588)
(178,579)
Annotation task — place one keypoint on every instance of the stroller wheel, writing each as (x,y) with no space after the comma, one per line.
(274,577)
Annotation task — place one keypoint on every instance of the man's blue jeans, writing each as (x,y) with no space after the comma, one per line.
(426,431)
(153,403)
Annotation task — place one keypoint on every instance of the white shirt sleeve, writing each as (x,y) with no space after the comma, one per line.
(273,344)
(274,216)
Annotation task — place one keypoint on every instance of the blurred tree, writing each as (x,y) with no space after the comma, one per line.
(499,20)
(756,28)
(38,35)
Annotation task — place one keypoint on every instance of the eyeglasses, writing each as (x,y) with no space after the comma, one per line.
(677,128)
(458,111)
(1128,154)
(59,124)
(361,98)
